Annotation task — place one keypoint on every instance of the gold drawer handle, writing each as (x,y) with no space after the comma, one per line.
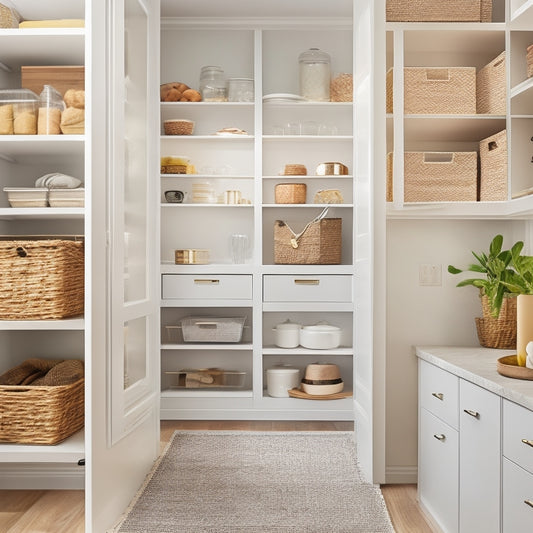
(438,395)
(207,281)
(440,437)
(528,442)
(307,281)
(528,502)
(475,414)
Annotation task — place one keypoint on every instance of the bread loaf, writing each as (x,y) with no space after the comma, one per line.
(73,121)
(49,121)
(75,98)
(178,92)
(6,119)
(25,123)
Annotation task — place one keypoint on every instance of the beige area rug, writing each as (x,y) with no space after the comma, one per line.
(257,482)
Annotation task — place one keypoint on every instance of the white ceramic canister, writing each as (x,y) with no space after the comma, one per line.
(315,75)
(287,334)
(280,379)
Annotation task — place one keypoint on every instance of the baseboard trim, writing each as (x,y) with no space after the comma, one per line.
(50,476)
(401,474)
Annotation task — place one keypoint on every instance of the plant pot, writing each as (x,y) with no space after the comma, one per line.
(507,310)
(524,326)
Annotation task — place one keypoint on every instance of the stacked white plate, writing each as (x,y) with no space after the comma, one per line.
(203,193)
(283,97)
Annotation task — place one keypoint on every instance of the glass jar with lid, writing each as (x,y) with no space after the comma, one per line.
(213,84)
(315,74)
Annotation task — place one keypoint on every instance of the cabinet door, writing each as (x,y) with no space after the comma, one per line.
(479,459)
(438,468)
(517,499)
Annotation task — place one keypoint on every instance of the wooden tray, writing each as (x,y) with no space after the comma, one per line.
(508,366)
(297,393)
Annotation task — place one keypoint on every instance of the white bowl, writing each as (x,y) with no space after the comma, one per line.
(320,337)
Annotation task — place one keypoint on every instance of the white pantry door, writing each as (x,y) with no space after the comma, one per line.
(369,231)
(124,437)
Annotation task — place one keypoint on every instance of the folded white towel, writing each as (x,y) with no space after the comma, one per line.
(56,180)
(529,351)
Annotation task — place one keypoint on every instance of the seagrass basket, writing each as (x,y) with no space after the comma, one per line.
(490,87)
(497,332)
(493,167)
(529,60)
(41,279)
(41,414)
(320,243)
(439,11)
(290,193)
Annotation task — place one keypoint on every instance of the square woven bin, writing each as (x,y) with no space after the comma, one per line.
(321,243)
(439,10)
(493,168)
(211,329)
(490,87)
(41,414)
(41,279)
(440,176)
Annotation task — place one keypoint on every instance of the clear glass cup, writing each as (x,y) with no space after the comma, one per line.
(239,248)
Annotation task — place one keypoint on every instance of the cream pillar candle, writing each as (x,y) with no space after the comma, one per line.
(524,325)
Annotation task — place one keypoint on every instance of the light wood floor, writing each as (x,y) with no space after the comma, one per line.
(47,511)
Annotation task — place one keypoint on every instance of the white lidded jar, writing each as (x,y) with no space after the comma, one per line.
(280,379)
(315,75)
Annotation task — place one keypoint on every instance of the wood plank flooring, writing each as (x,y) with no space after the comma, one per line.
(53,511)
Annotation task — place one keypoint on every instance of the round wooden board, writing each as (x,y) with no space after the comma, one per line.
(508,366)
(297,393)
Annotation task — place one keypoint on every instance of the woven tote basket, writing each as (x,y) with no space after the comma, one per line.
(436,90)
(493,167)
(439,11)
(40,414)
(440,176)
(320,244)
(490,87)
(41,279)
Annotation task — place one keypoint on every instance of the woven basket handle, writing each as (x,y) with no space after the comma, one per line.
(297,236)
(21,251)
(439,157)
(437,74)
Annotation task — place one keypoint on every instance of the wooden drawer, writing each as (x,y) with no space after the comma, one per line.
(208,287)
(307,288)
(439,393)
(517,428)
(517,499)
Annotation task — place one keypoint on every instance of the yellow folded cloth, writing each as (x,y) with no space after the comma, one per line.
(59,23)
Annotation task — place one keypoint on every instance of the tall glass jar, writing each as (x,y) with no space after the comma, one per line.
(213,84)
(315,74)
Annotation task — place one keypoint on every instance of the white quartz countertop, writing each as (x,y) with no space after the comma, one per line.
(478,365)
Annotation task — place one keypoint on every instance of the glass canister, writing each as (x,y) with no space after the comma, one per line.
(213,84)
(240,90)
(50,107)
(315,74)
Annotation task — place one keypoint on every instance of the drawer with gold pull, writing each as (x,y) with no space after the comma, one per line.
(209,287)
(328,288)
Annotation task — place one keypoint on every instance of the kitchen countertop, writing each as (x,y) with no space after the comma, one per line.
(478,365)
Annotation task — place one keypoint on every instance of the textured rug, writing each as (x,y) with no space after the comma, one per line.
(257,482)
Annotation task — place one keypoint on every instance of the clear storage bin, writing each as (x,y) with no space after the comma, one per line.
(51,106)
(18,112)
(207,329)
(207,378)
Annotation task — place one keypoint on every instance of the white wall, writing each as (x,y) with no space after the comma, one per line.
(427,315)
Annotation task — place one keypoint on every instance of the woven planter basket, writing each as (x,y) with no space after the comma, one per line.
(495,333)
(41,279)
(320,244)
(507,310)
(490,87)
(40,414)
(493,167)
(439,11)
(290,193)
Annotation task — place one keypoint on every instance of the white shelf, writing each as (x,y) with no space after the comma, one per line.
(300,206)
(309,269)
(321,307)
(229,268)
(312,138)
(69,451)
(208,176)
(523,16)
(38,213)
(27,146)
(307,177)
(233,347)
(215,138)
(185,205)
(43,325)
(205,393)
(523,87)
(206,303)
(275,350)
(342,404)
(202,105)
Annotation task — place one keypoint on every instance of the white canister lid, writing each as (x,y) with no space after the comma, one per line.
(282,370)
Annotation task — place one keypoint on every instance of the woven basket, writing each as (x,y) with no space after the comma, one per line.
(295,169)
(178,127)
(290,193)
(495,333)
(490,87)
(507,310)
(529,59)
(9,17)
(493,167)
(321,243)
(390,160)
(41,279)
(440,176)
(439,11)
(341,88)
(389,87)
(173,169)
(40,414)
(435,90)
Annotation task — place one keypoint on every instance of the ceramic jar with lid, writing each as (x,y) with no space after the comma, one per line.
(213,84)
(315,75)
(280,379)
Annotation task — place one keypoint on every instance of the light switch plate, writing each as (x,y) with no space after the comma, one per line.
(429,275)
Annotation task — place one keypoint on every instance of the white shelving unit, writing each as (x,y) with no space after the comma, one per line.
(266,50)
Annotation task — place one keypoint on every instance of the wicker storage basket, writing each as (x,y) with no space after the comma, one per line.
(495,333)
(295,169)
(507,310)
(529,59)
(390,160)
(490,87)
(40,414)
(439,11)
(320,244)
(341,88)
(290,193)
(178,127)
(493,168)
(435,90)
(41,279)
(389,85)
(440,176)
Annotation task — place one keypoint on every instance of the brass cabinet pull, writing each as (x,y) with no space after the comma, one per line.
(440,437)
(438,395)
(307,281)
(207,281)
(528,502)
(528,442)
(475,414)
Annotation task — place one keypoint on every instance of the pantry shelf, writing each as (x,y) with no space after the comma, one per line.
(37,213)
(275,350)
(45,325)
(210,346)
(15,146)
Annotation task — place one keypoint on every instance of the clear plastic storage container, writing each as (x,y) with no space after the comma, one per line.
(18,112)
(51,106)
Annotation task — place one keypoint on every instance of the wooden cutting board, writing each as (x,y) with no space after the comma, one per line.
(297,393)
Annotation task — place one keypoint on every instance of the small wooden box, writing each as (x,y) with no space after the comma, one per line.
(60,78)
